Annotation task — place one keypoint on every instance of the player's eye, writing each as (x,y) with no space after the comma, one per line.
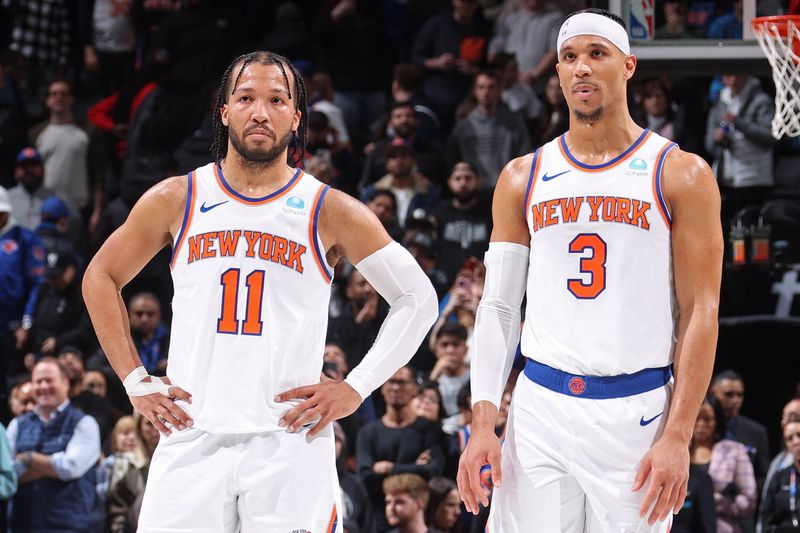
(597,53)
(245,98)
(569,56)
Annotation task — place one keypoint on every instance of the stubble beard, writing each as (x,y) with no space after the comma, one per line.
(256,159)
(591,117)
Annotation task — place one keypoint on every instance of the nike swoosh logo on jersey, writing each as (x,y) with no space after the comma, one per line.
(552,176)
(204,209)
(644,422)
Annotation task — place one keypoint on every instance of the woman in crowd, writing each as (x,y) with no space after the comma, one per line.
(728,465)
(443,512)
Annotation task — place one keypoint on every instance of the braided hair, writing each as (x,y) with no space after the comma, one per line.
(219,146)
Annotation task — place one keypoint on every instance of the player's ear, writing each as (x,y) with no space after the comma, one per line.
(630,66)
(223,114)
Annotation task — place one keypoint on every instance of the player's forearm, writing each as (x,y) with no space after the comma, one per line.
(497,322)
(109,317)
(694,362)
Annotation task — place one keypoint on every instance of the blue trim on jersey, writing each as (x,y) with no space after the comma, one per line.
(530,181)
(185,216)
(659,192)
(253,200)
(317,251)
(623,155)
(597,387)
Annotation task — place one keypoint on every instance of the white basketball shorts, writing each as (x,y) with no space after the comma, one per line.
(275,482)
(569,462)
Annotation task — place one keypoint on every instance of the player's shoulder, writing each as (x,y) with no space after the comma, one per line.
(686,168)
(165,200)
(338,205)
(516,174)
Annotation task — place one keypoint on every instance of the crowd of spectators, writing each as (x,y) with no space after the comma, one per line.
(414,107)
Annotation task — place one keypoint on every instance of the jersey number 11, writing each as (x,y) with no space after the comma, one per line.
(227,322)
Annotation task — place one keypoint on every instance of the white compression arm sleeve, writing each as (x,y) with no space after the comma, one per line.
(497,323)
(398,278)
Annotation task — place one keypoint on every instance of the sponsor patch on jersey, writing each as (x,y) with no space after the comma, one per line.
(577,386)
(294,205)
(637,167)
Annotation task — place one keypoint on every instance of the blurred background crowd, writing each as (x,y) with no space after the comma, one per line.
(414,107)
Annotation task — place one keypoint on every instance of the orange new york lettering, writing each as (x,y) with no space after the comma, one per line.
(640,210)
(227,242)
(594,202)
(194,248)
(570,207)
(265,250)
(623,210)
(208,245)
(538,216)
(551,217)
(609,208)
(252,240)
(279,250)
(296,252)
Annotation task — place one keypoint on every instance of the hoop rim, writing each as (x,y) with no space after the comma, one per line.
(780,21)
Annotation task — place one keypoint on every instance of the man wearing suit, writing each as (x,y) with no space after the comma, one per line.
(728,387)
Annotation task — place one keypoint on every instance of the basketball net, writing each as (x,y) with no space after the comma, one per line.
(779,38)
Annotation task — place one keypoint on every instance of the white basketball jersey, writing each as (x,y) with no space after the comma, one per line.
(250,310)
(601,300)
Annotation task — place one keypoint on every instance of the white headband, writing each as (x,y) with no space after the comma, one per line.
(594,24)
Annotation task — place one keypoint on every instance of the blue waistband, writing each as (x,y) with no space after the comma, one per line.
(597,387)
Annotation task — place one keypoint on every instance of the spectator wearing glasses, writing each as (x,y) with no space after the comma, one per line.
(399,442)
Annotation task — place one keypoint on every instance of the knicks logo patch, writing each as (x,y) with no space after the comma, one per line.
(577,386)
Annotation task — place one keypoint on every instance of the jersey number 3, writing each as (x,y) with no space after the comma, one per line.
(252,324)
(594,265)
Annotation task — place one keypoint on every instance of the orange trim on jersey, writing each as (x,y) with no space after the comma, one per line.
(187,217)
(227,189)
(332,522)
(316,253)
(570,159)
(537,162)
(657,183)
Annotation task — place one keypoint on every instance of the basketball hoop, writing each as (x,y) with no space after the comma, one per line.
(779,38)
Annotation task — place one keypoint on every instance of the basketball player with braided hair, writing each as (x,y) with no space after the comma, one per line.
(246,441)
(614,233)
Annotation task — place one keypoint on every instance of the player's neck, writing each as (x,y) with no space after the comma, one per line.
(598,142)
(255,179)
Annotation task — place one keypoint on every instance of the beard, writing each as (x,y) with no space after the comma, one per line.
(591,117)
(465,197)
(258,158)
(31,182)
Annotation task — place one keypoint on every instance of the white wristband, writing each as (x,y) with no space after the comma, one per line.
(135,386)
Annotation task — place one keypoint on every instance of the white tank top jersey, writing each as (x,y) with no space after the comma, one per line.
(250,309)
(601,299)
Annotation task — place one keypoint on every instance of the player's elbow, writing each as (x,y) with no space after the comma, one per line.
(427,305)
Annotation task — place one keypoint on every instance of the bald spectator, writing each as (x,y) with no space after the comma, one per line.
(55,447)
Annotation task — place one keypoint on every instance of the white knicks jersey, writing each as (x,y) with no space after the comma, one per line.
(250,311)
(601,300)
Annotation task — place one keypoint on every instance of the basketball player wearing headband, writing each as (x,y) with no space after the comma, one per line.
(615,234)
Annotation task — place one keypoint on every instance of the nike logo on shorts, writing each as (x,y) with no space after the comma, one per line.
(204,209)
(552,176)
(644,422)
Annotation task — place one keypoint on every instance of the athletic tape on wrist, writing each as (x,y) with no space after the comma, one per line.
(136,386)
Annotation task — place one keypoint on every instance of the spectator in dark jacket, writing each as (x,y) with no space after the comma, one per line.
(451,48)
(60,318)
